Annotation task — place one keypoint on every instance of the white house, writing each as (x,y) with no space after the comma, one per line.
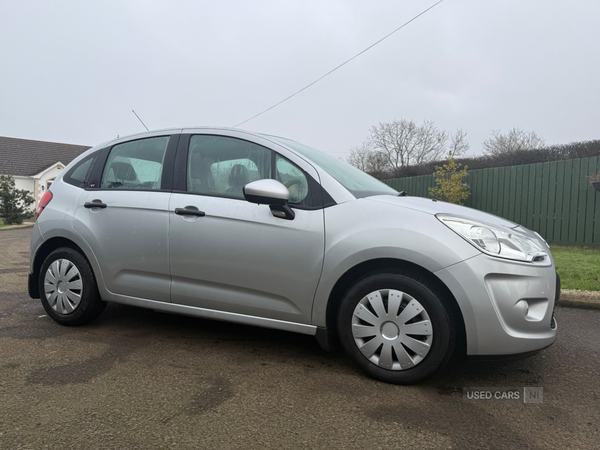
(35,164)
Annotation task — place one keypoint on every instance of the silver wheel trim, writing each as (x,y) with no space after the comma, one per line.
(63,286)
(392,329)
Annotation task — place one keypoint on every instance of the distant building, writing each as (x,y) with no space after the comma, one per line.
(35,164)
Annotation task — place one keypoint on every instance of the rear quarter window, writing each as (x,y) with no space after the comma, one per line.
(78,175)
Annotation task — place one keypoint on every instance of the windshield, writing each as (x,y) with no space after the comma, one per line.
(356,181)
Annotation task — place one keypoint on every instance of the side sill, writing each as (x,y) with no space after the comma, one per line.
(216,315)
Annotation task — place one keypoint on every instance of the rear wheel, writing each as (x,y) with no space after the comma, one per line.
(68,288)
(395,327)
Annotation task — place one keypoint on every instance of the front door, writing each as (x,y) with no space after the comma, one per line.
(231,255)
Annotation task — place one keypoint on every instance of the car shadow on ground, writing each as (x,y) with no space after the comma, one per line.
(191,331)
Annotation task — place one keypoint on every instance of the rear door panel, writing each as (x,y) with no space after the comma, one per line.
(130,240)
(129,237)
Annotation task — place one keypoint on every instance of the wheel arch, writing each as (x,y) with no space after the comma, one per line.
(328,337)
(42,253)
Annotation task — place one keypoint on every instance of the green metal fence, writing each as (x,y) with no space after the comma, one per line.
(553,198)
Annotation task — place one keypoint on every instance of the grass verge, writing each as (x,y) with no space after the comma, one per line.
(578,267)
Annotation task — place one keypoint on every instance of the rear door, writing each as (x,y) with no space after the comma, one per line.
(231,255)
(124,217)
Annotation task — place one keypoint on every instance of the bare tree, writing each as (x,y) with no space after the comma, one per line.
(366,159)
(458,145)
(377,163)
(392,145)
(403,142)
(359,156)
(515,140)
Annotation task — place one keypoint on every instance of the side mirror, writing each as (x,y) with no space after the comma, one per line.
(272,193)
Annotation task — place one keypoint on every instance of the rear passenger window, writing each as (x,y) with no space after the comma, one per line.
(77,176)
(135,165)
(222,166)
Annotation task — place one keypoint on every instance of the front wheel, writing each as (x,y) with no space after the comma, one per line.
(395,327)
(68,288)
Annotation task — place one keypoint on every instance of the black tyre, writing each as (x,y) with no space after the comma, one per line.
(394,325)
(68,288)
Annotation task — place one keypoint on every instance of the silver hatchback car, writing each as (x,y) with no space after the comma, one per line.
(242,227)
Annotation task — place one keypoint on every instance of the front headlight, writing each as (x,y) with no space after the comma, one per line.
(496,241)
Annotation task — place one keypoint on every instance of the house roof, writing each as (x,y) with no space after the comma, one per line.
(23,157)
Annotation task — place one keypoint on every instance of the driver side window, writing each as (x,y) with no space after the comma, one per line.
(222,166)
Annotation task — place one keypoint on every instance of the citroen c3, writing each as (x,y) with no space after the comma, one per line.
(261,230)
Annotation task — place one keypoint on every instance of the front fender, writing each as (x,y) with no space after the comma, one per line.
(361,231)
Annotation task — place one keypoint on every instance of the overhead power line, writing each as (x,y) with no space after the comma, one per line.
(341,65)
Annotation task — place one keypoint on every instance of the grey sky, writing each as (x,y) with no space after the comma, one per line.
(73,70)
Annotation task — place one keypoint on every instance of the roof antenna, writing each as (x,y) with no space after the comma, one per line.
(140,120)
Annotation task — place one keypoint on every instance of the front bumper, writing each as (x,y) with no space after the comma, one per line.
(507,306)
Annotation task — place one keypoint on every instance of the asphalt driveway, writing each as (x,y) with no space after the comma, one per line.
(140,379)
